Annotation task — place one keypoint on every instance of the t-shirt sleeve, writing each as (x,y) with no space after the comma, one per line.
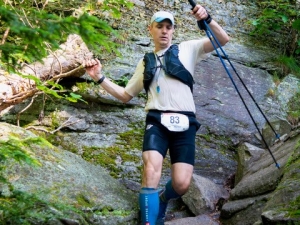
(135,84)
(191,52)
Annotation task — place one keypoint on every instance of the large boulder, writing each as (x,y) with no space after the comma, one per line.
(203,195)
(265,193)
(65,178)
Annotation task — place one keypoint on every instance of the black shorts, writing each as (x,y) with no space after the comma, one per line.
(181,145)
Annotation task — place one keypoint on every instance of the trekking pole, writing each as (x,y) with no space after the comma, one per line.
(203,26)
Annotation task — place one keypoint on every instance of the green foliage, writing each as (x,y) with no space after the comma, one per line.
(294,109)
(123,80)
(296,26)
(276,15)
(21,208)
(281,17)
(74,97)
(25,209)
(32,30)
(18,150)
(289,64)
(29,30)
(115,5)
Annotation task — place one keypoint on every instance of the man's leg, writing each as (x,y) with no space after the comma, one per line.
(175,188)
(181,177)
(148,198)
(182,154)
(148,201)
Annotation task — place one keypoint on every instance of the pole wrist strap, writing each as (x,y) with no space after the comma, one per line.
(208,19)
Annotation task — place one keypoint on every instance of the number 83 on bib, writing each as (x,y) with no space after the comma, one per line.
(175,121)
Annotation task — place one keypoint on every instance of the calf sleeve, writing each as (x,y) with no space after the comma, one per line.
(149,205)
(169,192)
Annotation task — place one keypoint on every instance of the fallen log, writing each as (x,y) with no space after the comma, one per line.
(65,62)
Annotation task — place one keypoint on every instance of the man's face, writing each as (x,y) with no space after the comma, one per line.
(162,34)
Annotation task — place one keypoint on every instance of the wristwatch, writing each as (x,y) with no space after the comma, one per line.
(100,80)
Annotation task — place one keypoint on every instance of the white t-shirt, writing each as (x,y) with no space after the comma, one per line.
(173,95)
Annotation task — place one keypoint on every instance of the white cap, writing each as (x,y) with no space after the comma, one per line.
(162,15)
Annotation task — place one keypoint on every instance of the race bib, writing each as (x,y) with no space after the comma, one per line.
(175,121)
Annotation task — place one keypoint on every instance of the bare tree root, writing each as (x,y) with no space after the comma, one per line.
(23,110)
(63,125)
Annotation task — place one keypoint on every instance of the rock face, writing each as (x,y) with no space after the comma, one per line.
(203,195)
(65,178)
(228,144)
(265,191)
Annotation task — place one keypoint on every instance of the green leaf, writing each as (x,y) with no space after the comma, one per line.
(54,84)
(18,149)
(255,22)
(47,90)
(284,18)
(269,12)
(296,24)
(74,97)
(27,37)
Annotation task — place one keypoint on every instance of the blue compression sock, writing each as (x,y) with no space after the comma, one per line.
(149,205)
(169,192)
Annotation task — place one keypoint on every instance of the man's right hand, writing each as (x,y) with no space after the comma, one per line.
(93,68)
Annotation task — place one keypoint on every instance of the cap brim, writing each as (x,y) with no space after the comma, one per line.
(158,20)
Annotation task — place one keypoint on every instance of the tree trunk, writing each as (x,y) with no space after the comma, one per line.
(65,62)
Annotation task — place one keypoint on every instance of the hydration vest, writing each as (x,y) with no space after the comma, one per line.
(172,67)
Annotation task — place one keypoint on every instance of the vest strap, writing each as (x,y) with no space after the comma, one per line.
(173,67)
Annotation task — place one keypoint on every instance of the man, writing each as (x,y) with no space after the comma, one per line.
(170,122)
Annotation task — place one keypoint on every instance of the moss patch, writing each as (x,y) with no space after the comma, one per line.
(23,208)
(221,143)
(83,201)
(107,211)
(124,150)
(294,210)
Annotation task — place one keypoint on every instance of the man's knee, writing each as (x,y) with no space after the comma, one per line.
(181,177)
(181,187)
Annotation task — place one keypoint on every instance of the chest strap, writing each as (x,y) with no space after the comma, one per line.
(172,67)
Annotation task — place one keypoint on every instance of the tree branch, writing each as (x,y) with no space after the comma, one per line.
(64,124)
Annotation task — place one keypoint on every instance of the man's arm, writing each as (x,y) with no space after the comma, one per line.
(200,13)
(93,68)
(219,33)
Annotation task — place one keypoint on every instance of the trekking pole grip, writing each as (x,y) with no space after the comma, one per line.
(193,4)
(201,23)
